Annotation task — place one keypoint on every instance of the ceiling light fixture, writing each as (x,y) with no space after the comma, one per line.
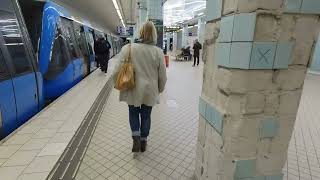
(115,4)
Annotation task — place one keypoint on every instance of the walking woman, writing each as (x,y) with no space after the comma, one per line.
(150,80)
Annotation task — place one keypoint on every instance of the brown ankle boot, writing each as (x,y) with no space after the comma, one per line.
(143,146)
(136,144)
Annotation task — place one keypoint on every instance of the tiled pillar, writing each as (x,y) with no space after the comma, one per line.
(315,64)
(168,35)
(177,40)
(201,30)
(185,34)
(142,16)
(155,14)
(256,53)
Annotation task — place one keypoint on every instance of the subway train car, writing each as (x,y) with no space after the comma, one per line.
(21,85)
(43,53)
(64,47)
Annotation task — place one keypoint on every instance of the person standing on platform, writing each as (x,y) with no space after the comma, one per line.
(196,52)
(150,80)
(102,51)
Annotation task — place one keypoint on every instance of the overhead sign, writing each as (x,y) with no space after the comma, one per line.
(130,30)
(121,30)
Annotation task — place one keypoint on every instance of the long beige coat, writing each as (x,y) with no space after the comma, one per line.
(150,74)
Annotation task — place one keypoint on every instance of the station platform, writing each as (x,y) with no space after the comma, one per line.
(85,134)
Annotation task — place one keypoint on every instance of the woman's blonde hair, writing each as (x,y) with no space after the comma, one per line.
(148,33)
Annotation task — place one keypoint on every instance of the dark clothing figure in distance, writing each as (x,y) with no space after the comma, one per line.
(196,52)
(102,51)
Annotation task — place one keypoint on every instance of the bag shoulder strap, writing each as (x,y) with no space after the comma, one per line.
(129,54)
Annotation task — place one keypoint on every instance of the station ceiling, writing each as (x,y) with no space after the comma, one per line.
(101,13)
(181,11)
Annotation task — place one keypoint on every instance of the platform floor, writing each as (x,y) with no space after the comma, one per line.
(173,136)
(171,149)
(304,150)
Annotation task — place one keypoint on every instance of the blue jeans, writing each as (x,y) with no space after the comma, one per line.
(140,129)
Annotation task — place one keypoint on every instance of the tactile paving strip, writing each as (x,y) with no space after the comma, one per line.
(69,163)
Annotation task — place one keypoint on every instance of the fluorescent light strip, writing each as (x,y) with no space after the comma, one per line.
(118,11)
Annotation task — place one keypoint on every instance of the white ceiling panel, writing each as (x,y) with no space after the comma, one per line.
(101,13)
(178,11)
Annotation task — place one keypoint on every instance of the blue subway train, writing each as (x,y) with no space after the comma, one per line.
(43,53)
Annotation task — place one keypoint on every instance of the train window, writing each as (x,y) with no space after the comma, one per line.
(10,31)
(33,13)
(90,39)
(81,38)
(4,73)
(70,37)
(59,58)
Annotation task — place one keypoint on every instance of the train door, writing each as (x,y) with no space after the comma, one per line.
(114,46)
(8,115)
(74,51)
(110,42)
(22,72)
(81,38)
(90,42)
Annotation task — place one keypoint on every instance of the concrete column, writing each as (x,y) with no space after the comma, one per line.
(142,16)
(201,30)
(155,14)
(256,53)
(168,35)
(185,35)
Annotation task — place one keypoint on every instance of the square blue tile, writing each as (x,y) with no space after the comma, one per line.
(263,55)
(226,28)
(259,178)
(213,10)
(245,169)
(275,177)
(222,54)
(283,55)
(244,27)
(240,55)
(310,6)
(269,128)
(293,5)
(315,65)
(202,107)
(218,121)
(208,114)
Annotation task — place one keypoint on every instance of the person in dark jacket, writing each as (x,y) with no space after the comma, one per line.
(196,52)
(102,51)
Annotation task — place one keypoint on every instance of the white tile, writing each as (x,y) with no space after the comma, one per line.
(45,133)
(11,173)
(33,144)
(38,122)
(21,158)
(18,139)
(7,151)
(42,164)
(29,129)
(54,124)
(69,126)
(62,137)
(34,176)
(2,161)
(53,149)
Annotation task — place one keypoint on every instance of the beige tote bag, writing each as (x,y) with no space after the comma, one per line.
(125,79)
